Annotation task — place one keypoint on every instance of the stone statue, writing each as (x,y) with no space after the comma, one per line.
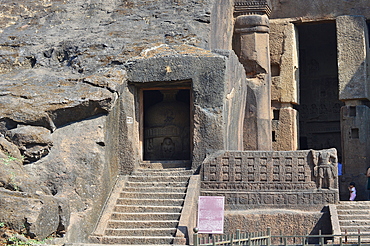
(168,148)
(325,168)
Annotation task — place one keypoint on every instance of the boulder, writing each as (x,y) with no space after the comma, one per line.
(36,216)
(34,142)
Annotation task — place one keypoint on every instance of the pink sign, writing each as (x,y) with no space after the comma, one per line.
(211,214)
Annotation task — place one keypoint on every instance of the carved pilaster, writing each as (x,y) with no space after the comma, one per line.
(251,44)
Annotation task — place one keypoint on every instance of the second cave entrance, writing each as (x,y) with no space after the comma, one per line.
(166,124)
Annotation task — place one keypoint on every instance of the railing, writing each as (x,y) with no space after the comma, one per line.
(265,238)
(257,238)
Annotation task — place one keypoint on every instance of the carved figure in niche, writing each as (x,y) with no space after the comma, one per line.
(149,145)
(325,168)
(168,148)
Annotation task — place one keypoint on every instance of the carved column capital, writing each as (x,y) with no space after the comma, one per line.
(252,24)
(252,7)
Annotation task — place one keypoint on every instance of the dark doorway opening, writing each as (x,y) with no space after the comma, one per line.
(319,109)
(166,124)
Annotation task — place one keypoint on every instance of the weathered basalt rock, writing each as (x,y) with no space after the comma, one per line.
(35,215)
(33,141)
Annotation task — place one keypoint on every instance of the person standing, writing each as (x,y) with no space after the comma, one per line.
(352,191)
(368,182)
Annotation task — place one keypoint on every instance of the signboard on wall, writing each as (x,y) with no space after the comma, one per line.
(211,214)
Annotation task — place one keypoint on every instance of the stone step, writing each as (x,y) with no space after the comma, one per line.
(156,184)
(145,216)
(353,216)
(141,232)
(156,189)
(147,209)
(124,224)
(353,211)
(165,165)
(354,229)
(345,205)
(146,179)
(354,239)
(152,202)
(137,240)
(152,195)
(354,202)
(163,172)
(354,223)
(349,207)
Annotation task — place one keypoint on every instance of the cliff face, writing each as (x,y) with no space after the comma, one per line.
(82,36)
(62,71)
(63,85)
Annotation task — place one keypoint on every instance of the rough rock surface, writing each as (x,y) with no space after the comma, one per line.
(61,63)
(62,69)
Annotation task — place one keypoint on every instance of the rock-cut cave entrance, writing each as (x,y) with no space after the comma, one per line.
(319,109)
(166,124)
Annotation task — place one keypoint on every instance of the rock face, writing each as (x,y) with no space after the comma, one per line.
(62,69)
(72,76)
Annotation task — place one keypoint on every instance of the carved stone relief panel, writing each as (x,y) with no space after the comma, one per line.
(275,178)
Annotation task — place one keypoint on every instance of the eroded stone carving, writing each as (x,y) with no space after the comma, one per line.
(325,169)
(279,178)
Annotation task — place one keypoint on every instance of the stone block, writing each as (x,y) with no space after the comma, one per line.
(284,128)
(284,61)
(281,222)
(355,126)
(353,43)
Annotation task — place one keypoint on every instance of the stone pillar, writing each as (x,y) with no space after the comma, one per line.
(284,84)
(355,138)
(284,127)
(353,47)
(251,44)
(355,128)
(354,90)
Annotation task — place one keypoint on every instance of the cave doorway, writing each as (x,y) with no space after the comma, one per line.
(319,109)
(166,124)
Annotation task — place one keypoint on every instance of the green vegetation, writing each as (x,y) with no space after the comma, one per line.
(7,160)
(12,182)
(17,241)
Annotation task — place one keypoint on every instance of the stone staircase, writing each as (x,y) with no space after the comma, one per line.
(146,210)
(354,217)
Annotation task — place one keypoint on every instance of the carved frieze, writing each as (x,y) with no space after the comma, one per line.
(252,7)
(272,177)
(243,200)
